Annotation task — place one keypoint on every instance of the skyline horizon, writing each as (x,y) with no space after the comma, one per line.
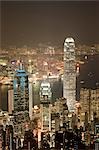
(47,44)
(30,23)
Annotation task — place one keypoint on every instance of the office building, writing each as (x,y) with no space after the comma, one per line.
(10,101)
(45,99)
(30,99)
(69,83)
(21,98)
(89,101)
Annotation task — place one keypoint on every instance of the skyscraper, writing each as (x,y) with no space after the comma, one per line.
(21,97)
(10,101)
(69,85)
(30,99)
(45,99)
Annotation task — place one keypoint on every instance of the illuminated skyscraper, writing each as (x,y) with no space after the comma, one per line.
(10,101)
(21,97)
(30,66)
(30,99)
(45,99)
(69,86)
(45,91)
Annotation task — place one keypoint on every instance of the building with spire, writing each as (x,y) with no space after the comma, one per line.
(21,98)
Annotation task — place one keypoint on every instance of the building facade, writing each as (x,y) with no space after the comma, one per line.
(45,99)
(10,101)
(30,99)
(69,81)
(89,101)
(21,99)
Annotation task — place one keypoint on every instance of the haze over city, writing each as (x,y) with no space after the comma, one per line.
(30,23)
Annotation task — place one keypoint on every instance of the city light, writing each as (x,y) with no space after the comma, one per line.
(49,76)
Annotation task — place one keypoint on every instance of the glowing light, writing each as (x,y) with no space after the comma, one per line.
(30,61)
(36,107)
(18,61)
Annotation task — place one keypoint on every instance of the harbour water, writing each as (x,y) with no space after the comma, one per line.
(56,93)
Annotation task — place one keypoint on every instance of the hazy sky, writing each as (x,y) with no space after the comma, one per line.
(29,23)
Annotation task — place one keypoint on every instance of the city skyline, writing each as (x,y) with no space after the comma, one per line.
(30,23)
(49,79)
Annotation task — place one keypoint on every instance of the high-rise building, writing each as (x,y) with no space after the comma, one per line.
(21,98)
(1,136)
(69,83)
(10,101)
(30,66)
(30,99)
(9,137)
(89,100)
(45,99)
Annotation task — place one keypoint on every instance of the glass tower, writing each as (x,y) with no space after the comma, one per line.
(69,85)
(21,97)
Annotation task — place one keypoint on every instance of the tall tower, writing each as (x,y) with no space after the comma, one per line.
(21,98)
(45,99)
(30,66)
(69,85)
(30,99)
(10,101)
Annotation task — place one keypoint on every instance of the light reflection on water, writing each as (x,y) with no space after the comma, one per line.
(56,90)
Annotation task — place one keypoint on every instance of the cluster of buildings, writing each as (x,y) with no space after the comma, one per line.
(65,113)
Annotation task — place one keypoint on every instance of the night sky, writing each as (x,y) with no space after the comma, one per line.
(30,23)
